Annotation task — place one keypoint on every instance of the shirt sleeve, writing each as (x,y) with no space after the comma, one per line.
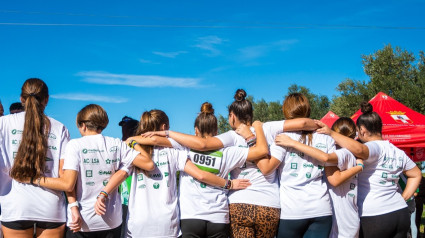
(374,150)
(344,158)
(227,138)
(179,158)
(64,141)
(176,145)
(127,156)
(235,157)
(72,158)
(273,127)
(278,152)
(409,164)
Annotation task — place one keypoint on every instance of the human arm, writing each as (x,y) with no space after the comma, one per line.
(211,179)
(358,149)
(414,177)
(267,164)
(300,124)
(151,140)
(113,183)
(286,141)
(337,177)
(191,141)
(260,149)
(65,183)
(143,160)
(76,220)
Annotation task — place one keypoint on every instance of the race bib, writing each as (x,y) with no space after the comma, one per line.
(209,161)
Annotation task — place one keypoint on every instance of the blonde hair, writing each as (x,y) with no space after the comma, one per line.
(296,105)
(93,116)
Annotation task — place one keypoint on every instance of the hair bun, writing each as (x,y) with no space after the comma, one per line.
(366,107)
(240,95)
(207,108)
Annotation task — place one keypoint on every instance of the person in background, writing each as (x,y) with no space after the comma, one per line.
(16,107)
(420,200)
(1,110)
(128,126)
(411,205)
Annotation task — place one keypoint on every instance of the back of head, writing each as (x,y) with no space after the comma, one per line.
(31,156)
(152,121)
(128,126)
(16,107)
(296,105)
(369,119)
(94,117)
(241,107)
(206,122)
(345,126)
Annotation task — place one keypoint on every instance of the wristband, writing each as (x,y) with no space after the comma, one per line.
(103,194)
(360,164)
(252,141)
(38,181)
(228,184)
(250,138)
(132,144)
(74,204)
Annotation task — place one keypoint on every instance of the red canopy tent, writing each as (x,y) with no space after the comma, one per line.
(329,118)
(402,126)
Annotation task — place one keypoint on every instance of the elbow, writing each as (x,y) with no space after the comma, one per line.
(69,188)
(200,177)
(150,166)
(334,182)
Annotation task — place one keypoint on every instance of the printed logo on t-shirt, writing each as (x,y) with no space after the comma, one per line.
(16,142)
(105,182)
(295,154)
(49,159)
(383,182)
(139,177)
(89,173)
(294,165)
(351,195)
(352,186)
(308,165)
(384,175)
(15,131)
(320,146)
(308,175)
(87,151)
(142,186)
(90,183)
(113,149)
(294,174)
(51,147)
(203,185)
(102,172)
(158,164)
(163,153)
(14,154)
(52,136)
(156,185)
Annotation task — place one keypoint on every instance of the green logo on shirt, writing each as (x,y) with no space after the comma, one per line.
(384,175)
(308,165)
(15,131)
(352,186)
(294,165)
(108,161)
(320,146)
(139,177)
(308,175)
(84,151)
(294,174)
(52,136)
(105,182)
(156,185)
(113,149)
(89,173)
(101,172)
(90,183)
(203,185)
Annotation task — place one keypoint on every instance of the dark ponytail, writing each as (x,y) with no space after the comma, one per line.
(241,107)
(30,159)
(369,119)
(206,122)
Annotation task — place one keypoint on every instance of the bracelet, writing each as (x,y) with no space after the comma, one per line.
(38,181)
(132,144)
(252,141)
(228,184)
(250,138)
(167,133)
(74,204)
(359,164)
(32,181)
(103,194)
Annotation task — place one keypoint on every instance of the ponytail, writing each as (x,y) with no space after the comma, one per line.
(206,122)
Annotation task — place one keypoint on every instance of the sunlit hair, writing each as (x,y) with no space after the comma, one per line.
(369,119)
(30,159)
(152,121)
(345,126)
(93,116)
(296,105)
(206,122)
(241,107)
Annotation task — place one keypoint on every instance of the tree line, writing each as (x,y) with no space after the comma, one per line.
(395,71)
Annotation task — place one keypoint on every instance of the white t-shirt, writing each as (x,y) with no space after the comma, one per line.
(303,191)
(97,158)
(264,190)
(201,201)
(153,209)
(346,221)
(378,182)
(45,204)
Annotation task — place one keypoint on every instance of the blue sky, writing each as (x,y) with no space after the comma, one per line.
(132,56)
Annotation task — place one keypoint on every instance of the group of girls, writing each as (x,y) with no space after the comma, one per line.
(282,178)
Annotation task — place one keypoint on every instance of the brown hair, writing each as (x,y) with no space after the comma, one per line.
(241,107)
(30,159)
(369,119)
(296,105)
(345,126)
(206,122)
(93,116)
(152,121)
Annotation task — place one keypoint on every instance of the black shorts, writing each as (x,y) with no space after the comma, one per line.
(24,225)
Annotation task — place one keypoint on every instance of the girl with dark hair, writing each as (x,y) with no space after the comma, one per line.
(341,168)
(89,163)
(31,145)
(153,196)
(382,209)
(305,204)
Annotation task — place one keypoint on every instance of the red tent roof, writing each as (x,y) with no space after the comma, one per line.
(402,126)
(329,118)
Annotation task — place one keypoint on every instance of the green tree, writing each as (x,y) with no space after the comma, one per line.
(393,71)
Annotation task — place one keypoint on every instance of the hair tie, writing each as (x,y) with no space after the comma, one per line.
(31,94)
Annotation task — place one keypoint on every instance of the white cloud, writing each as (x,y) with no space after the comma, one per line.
(89,97)
(145,61)
(169,54)
(209,43)
(257,51)
(138,80)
